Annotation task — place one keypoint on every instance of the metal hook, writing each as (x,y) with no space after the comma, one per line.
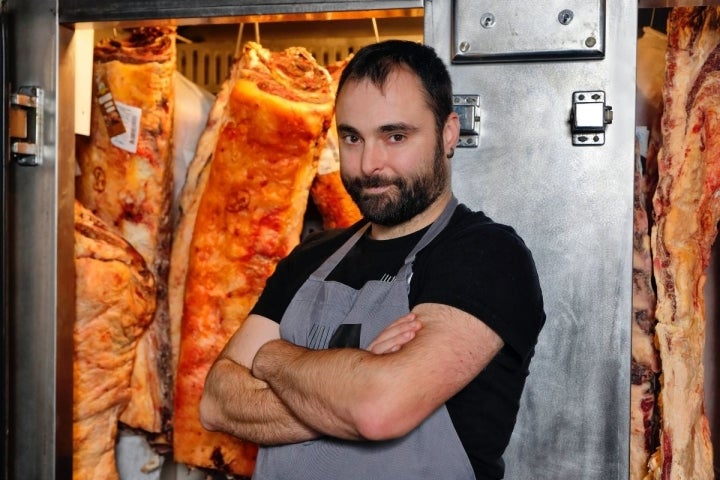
(239,42)
(375,29)
(652,18)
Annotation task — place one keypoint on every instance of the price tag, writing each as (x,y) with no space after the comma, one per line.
(128,140)
(108,107)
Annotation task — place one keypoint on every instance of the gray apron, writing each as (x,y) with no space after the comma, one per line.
(431,451)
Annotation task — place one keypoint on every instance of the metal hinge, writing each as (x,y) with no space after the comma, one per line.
(468,109)
(26,126)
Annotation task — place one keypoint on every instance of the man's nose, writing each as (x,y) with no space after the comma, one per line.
(372,159)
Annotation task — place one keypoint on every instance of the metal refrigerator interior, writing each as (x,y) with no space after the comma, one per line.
(520,69)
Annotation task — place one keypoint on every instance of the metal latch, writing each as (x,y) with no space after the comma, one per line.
(467,107)
(588,118)
(26,126)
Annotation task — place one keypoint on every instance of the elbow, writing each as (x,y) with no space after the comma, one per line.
(208,413)
(211,408)
(382,419)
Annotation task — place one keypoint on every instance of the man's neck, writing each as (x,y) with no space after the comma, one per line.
(418,222)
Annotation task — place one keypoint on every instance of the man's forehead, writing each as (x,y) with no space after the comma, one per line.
(399,73)
(397,90)
(363,105)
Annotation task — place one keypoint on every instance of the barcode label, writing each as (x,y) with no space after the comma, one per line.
(131,119)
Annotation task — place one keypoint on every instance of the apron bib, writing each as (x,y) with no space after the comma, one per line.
(325,314)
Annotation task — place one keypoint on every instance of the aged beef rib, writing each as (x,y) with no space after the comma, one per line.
(126,179)
(687,210)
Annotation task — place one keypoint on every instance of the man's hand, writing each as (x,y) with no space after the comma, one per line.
(395,335)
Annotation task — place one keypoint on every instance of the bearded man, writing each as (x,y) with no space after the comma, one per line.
(397,348)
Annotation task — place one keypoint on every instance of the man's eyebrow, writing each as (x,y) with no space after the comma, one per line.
(397,127)
(347,129)
(389,128)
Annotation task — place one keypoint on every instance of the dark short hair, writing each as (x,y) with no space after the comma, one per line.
(376,61)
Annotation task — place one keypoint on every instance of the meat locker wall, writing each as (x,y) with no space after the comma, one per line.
(545,94)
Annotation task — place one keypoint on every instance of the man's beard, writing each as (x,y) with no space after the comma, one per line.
(410,197)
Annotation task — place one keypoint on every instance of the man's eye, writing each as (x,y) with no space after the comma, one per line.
(351,138)
(397,137)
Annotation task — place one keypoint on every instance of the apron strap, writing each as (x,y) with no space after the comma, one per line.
(438,225)
(328,265)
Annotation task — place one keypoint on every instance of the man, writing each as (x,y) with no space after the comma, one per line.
(398,348)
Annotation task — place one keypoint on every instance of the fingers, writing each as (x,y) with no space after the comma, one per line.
(395,335)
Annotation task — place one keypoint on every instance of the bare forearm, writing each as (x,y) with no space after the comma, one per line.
(388,391)
(321,398)
(237,403)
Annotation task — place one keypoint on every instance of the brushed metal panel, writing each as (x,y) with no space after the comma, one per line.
(573,207)
(517,30)
(40,310)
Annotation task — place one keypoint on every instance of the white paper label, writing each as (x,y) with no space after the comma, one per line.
(131,119)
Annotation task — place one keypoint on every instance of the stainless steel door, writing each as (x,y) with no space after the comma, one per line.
(572,205)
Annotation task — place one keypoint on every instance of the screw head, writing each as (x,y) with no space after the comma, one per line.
(566,16)
(487,20)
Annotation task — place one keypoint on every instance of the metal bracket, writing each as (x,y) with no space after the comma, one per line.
(467,107)
(26,126)
(588,118)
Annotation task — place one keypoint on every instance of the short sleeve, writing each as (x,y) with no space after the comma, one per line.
(275,297)
(486,271)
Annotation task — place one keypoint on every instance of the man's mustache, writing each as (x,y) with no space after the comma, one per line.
(375,181)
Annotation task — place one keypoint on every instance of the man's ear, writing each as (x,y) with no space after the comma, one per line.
(451,133)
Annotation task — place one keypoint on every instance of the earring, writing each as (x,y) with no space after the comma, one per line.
(452,152)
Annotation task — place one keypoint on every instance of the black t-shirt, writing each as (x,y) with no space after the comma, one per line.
(474,264)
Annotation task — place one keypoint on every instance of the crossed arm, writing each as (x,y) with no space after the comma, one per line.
(270,391)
